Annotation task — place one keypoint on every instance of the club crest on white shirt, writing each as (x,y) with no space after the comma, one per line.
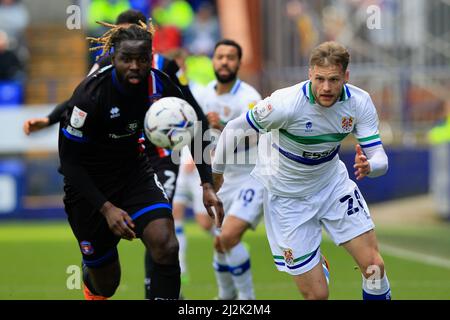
(347,123)
(78,117)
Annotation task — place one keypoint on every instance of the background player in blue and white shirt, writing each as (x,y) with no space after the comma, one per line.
(222,100)
(306,185)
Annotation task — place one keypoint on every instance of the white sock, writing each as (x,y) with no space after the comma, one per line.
(225,284)
(238,259)
(376,288)
(179,231)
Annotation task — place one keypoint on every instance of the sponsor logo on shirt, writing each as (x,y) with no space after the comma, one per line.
(317,155)
(131,127)
(261,111)
(78,117)
(115,112)
(308,126)
(74,132)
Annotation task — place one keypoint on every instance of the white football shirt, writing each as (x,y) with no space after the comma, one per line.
(306,137)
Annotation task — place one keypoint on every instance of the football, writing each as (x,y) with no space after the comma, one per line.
(170,123)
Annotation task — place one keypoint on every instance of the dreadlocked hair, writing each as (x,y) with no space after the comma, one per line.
(120,32)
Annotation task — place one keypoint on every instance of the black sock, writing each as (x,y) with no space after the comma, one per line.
(87,280)
(165,281)
(148,273)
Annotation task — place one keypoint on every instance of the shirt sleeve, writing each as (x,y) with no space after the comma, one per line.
(231,135)
(267,115)
(74,139)
(378,161)
(56,114)
(366,125)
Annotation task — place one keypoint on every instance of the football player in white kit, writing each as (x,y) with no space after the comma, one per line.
(308,186)
(223,100)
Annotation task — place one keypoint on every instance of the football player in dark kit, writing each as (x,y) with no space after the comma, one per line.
(111,191)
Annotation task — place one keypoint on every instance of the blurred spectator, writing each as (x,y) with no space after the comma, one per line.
(196,4)
(106,11)
(166,38)
(176,13)
(202,35)
(307,24)
(10,66)
(142,6)
(170,17)
(195,71)
(199,69)
(14,19)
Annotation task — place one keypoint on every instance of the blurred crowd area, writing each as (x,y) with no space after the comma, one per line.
(44,53)
(400,53)
(400,49)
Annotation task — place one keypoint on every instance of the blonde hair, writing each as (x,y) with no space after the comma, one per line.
(329,53)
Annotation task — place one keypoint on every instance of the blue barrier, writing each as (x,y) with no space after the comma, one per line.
(11,93)
(12,187)
(408,174)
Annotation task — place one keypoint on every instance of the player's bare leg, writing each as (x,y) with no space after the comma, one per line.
(364,249)
(313,284)
(204,221)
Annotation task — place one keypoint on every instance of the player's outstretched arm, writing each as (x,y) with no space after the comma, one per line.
(35,124)
(232,134)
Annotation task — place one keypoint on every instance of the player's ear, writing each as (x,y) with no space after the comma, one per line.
(346,76)
(310,73)
(113,59)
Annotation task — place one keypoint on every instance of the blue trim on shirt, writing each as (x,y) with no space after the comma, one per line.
(371,144)
(158,84)
(250,122)
(236,86)
(348,91)
(150,208)
(72,137)
(311,162)
(159,62)
(304,90)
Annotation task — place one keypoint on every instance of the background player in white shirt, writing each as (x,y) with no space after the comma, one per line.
(306,185)
(223,100)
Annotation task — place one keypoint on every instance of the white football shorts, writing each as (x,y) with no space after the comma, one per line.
(294,225)
(242,197)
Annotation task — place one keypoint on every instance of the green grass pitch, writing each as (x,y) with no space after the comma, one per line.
(35,256)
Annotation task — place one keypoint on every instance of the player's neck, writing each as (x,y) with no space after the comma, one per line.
(223,88)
